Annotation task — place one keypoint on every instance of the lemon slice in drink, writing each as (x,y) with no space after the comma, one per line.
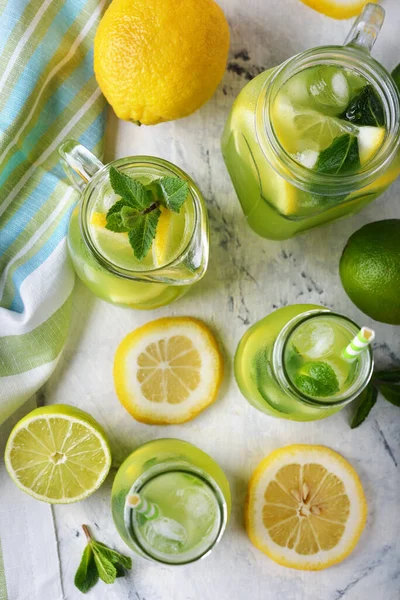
(58,454)
(168,370)
(338,9)
(162,240)
(370,139)
(305,507)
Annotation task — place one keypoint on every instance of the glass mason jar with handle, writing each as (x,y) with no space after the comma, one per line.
(303,146)
(291,365)
(105,261)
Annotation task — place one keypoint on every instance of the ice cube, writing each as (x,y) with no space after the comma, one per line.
(307,158)
(314,340)
(165,535)
(329,88)
(199,505)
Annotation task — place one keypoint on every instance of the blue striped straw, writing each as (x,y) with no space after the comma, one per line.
(358,344)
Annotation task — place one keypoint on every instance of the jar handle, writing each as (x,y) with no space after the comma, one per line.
(79,164)
(366,28)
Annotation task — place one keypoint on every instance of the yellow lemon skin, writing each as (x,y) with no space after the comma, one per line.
(338,9)
(159,60)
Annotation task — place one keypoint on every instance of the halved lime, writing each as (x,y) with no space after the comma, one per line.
(58,454)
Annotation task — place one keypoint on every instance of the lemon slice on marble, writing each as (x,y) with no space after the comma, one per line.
(305,507)
(338,9)
(168,370)
(58,454)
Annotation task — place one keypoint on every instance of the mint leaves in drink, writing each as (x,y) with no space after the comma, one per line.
(138,211)
(365,109)
(341,157)
(99,561)
(317,379)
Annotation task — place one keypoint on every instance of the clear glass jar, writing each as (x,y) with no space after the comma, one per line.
(177,473)
(261,370)
(136,285)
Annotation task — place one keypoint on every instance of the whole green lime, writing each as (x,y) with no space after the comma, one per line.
(370,270)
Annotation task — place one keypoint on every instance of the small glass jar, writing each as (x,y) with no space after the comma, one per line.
(142,286)
(261,370)
(186,484)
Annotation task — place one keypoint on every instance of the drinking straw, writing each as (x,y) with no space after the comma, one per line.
(358,344)
(145,507)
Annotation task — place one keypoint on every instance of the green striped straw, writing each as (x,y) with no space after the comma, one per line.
(358,344)
(145,507)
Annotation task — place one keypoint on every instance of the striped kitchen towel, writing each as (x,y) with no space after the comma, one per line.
(47,93)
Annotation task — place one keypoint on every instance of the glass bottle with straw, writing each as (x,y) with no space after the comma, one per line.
(303,362)
(170,502)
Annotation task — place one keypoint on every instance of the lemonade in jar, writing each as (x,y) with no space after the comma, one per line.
(139,239)
(292,364)
(170,502)
(316,138)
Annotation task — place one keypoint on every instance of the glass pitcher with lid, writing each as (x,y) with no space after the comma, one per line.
(104,259)
(316,138)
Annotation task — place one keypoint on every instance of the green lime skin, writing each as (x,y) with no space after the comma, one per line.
(370,270)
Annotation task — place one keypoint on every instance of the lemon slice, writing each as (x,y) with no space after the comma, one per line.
(98,219)
(338,9)
(162,240)
(305,507)
(168,370)
(370,139)
(58,454)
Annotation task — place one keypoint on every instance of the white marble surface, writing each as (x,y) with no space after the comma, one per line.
(248,277)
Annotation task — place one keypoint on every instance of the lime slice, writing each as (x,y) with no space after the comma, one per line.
(58,454)
(317,379)
(299,129)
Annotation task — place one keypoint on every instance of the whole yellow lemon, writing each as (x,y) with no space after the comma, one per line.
(158,60)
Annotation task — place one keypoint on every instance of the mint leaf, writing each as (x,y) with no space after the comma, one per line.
(340,157)
(317,379)
(87,575)
(387,376)
(366,401)
(113,556)
(143,232)
(98,560)
(115,223)
(132,191)
(107,571)
(128,216)
(365,109)
(396,76)
(174,192)
(391,393)
(117,207)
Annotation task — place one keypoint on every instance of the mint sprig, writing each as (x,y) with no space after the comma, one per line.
(99,561)
(138,211)
(387,383)
(316,378)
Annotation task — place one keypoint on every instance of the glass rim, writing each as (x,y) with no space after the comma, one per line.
(299,175)
(176,467)
(287,332)
(139,161)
